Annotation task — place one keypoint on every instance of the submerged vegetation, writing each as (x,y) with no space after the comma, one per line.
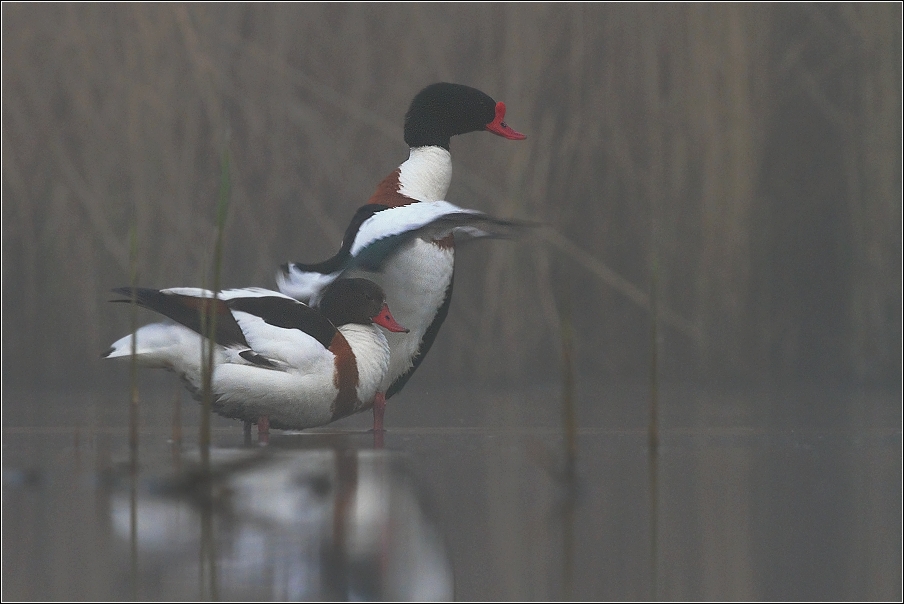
(763,141)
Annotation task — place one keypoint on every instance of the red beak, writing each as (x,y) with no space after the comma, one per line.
(500,128)
(384,319)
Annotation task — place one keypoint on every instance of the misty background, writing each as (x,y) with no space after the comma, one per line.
(737,167)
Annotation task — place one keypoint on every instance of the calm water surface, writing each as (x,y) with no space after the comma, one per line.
(771,496)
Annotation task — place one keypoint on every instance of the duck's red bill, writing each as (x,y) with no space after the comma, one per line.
(384,319)
(500,128)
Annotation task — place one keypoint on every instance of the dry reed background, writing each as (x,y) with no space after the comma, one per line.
(751,154)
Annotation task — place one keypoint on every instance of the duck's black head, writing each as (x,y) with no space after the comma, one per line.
(443,110)
(357,301)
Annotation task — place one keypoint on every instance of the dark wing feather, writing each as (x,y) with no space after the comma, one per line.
(341,260)
(188,311)
(257,359)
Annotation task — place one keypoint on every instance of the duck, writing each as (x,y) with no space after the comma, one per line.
(277,362)
(417,275)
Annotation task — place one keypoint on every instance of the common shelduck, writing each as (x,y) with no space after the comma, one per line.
(278,362)
(418,276)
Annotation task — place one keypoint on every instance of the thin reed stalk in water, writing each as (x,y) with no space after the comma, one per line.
(208,554)
(133,411)
(209,318)
(133,360)
(177,431)
(569,420)
(570,430)
(654,526)
(653,428)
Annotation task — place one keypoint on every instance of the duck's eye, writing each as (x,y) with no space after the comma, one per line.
(503,124)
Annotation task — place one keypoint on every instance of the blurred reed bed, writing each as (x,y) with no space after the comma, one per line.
(764,141)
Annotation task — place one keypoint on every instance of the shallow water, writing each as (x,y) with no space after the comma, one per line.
(778,495)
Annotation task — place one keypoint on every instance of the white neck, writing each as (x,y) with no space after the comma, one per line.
(371,355)
(426,174)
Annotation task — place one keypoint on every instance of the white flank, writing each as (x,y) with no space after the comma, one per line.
(415,281)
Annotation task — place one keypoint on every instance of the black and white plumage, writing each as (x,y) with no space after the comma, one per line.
(377,233)
(275,357)
(406,241)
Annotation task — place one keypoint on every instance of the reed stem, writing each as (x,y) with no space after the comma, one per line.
(209,315)
(133,409)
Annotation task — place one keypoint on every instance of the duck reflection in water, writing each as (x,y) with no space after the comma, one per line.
(334,524)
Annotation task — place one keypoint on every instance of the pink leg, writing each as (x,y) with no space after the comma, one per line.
(263,430)
(379,408)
